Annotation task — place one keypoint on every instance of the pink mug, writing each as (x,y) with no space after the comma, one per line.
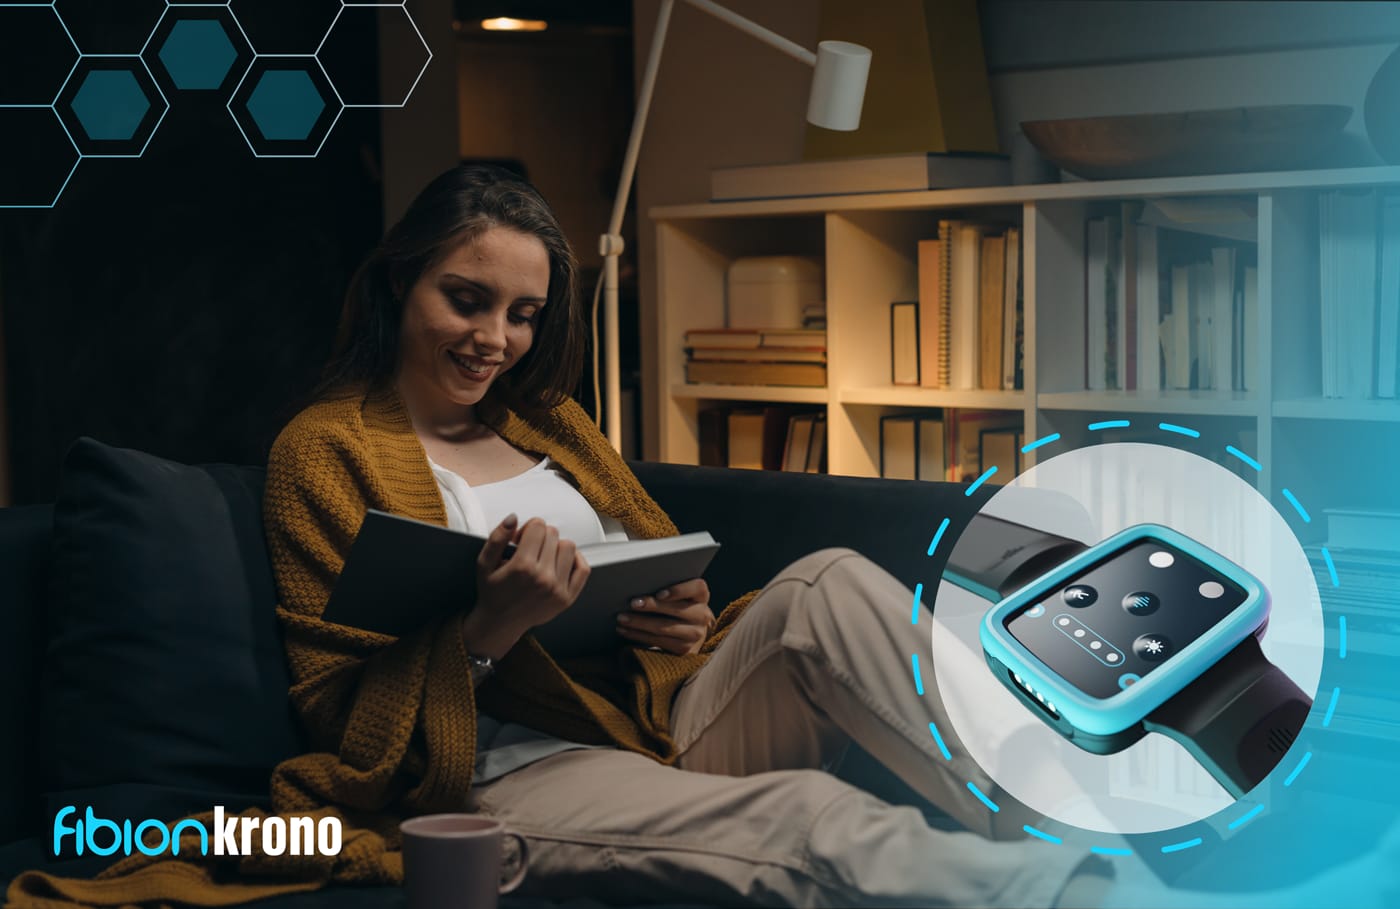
(452,860)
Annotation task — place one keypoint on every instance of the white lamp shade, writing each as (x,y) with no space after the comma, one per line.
(838,86)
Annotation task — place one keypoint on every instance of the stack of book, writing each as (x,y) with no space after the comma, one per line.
(1168,307)
(755,356)
(970,331)
(1359,236)
(773,437)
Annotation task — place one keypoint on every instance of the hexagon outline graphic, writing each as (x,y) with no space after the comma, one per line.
(414,25)
(340,105)
(173,11)
(53,4)
(155,127)
(67,34)
(76,161)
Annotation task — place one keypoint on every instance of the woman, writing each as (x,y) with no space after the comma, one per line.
(446,401)
(682,768)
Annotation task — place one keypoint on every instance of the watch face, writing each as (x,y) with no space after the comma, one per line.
(1114,623)
(1110,635)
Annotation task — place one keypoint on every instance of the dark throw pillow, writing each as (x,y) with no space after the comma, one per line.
(164,688)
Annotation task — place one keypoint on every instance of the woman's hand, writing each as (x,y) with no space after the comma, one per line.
(677,619)
(538,581)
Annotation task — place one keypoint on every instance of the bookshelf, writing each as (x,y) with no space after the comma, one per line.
(1327,451)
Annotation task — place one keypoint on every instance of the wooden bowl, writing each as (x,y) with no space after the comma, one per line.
(1231,140)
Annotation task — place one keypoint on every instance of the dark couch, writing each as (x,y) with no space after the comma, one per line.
(143,670)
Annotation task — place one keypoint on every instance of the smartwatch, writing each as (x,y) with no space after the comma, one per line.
(1145,631)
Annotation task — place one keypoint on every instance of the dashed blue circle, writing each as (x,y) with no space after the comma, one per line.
(1256,807)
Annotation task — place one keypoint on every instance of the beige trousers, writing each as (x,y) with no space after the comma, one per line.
(820,659)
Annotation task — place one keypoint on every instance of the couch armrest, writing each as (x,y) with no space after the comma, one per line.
(24,576)
(768,519)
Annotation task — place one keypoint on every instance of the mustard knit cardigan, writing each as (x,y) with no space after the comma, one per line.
(391,723)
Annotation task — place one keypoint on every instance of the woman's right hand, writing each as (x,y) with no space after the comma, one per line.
(540,580)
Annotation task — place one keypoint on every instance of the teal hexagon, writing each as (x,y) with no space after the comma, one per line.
(285,104)
(110,104)
(198,54)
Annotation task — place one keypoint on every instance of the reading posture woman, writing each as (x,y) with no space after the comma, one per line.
(687,765)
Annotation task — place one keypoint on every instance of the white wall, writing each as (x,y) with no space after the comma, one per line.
(724,99)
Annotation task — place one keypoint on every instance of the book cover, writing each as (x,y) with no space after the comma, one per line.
(931,280)
(759,354)
(966,279)
(898,447)
(1095,303)
(402,574)
(1011,312)
(720,373)
(946,230)
(816,454)
(745,434)
(798,442)
(905,365)
(991,310)
(793,337)
(1148,281)
(722,337)
(929,447)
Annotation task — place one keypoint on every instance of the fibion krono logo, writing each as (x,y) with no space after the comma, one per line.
(232,835)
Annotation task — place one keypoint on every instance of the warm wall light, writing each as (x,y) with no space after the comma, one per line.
(506,24)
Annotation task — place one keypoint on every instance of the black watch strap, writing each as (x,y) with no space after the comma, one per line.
(1238,718)
(993,557)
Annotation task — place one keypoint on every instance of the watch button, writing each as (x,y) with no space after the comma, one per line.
(1079,595)
(1153,647)
(1141,602)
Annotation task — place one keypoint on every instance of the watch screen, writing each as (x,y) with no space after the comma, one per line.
(1108,626)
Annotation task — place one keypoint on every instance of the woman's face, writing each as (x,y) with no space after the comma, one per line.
(471,317)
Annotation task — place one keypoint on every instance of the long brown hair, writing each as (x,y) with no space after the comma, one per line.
(455,207)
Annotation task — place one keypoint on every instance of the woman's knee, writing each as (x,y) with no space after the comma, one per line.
(811,567)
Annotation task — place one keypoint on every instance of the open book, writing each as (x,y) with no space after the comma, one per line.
(402,573)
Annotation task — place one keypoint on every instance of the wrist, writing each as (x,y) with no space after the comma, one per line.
(486,635)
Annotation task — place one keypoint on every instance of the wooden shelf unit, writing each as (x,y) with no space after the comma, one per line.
(1331,451)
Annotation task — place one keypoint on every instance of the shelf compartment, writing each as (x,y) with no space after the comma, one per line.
(777,394)
(909,396)
(1196,403)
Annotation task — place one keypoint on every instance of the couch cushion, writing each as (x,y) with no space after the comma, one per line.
(165,685)
(24,570)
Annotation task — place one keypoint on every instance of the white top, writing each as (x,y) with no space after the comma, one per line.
(544,492)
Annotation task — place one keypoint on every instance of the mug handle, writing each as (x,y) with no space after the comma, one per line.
(519,875)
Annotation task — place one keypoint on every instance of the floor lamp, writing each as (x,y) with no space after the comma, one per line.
(838,91)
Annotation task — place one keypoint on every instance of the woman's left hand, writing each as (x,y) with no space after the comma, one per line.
(677,619)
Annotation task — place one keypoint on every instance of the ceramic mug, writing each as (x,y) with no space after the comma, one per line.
(455,860)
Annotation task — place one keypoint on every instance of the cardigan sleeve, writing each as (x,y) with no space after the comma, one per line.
(398,714)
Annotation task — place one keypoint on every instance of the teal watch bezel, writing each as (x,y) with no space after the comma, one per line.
(1108,717)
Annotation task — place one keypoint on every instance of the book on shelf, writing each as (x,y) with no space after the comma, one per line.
(912,447)
(963,430)
(1147,280)
(816,454)
(814,316)
(1013,331)
(991,310)
(1348,224)
(1098,289)
(869,174)
(401,574)
(966,287)
(933,303)
(798,443)
(1000,447)
(758,354)
(752,337)
(712,432)
(1127,299)
(744,435)
(811,375)
(904,343)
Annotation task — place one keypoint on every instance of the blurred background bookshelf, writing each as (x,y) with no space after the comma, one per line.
(1260,372)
